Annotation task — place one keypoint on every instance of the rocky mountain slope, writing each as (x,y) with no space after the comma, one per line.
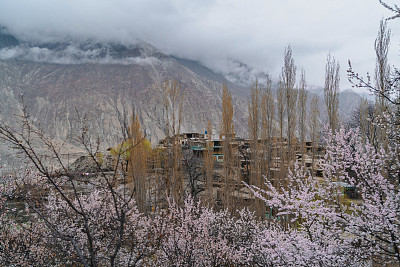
(100,83)
(64,84)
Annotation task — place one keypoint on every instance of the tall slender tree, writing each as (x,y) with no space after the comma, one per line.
(254,131)
(281,149)
(382,76)
(302,105)
(287,100)
(137,167)
(314,130)
(173,104)
(209,166)
(331,91)
(268,129)
(288,79)
(227,132)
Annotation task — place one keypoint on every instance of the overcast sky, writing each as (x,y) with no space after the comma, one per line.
(211,31)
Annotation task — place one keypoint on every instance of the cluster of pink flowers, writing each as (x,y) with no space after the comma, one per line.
(332,229)
(311,222)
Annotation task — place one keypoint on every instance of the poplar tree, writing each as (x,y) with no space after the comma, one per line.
(254,131)
(268,129)
(302,112)
(281,148)
(209,167)
(288,80)
(227,131)
(267,133)
(287,100)
(382,77)
(173,104)
(137,168)
(331,91)
(314,129)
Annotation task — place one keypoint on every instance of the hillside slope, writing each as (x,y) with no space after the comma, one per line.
(58,96)
(63,84)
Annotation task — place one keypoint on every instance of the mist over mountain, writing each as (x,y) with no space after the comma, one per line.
(63,83)
(77,52)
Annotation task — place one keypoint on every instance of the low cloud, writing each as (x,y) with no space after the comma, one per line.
(72,54)
(213,31)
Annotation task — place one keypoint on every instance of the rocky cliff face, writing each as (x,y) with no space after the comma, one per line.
(60,96)
(68,85)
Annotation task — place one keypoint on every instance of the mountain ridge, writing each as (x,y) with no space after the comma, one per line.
(102,80)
